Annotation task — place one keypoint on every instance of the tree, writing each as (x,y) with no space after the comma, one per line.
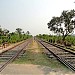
(64,25)
(27,32)
(5,32)
(19,30)
(0,31)
(23,32)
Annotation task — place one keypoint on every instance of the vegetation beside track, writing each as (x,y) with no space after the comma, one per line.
(6,37)
(69,40)
(38,57)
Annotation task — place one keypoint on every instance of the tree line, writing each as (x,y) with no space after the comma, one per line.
(12,37)
(69,40)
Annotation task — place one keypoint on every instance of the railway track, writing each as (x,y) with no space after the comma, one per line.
(10,55)
(65,57)
(69,49)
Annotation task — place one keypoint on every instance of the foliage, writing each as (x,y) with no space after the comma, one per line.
(27,32)
(57,39)
(63,25)
(13,37)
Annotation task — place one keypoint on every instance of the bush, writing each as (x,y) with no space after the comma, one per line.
(69,40)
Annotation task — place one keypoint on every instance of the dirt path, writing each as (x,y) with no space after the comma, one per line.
(29,69)
(35,47)
(26,69)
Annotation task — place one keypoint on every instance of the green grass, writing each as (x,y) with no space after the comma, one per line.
(39,59)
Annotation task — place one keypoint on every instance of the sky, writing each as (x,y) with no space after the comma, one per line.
(31,15)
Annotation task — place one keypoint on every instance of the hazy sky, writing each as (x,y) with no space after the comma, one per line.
(31,15)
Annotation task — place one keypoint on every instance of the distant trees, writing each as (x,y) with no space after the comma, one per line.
(5,32)
(27,32)
(69,40)
(1,31)
(63,25)
(18,35)
(18,30)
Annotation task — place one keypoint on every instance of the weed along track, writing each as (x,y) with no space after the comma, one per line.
(10,55)
(64,56)
(35,54)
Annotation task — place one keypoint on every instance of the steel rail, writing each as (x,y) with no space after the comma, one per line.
(11,48)
(13,57)
(61,47)
(61,59)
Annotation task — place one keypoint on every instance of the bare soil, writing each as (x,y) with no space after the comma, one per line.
(30,69)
